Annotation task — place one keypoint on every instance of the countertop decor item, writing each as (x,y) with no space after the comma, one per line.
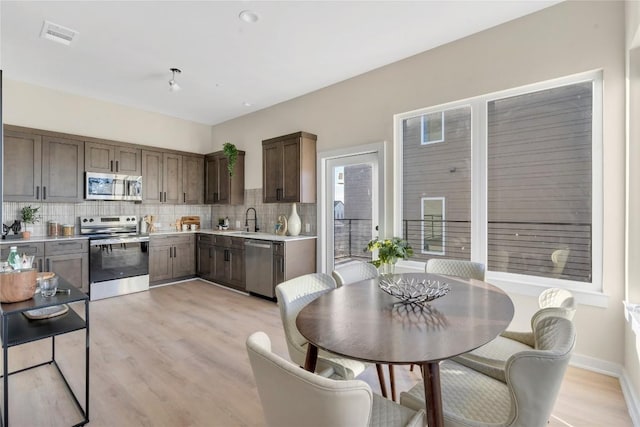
(231,152)
(413,291)
(29,216)
(282,226)
(294,224)
(389,252)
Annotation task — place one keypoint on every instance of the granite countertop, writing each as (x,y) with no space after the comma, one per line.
(237,233)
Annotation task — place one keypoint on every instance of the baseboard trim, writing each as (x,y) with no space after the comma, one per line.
(613,370)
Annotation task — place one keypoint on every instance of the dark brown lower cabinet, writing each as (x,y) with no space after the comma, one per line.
(171,257)
(69,259)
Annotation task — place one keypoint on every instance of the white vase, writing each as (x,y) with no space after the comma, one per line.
(294,225)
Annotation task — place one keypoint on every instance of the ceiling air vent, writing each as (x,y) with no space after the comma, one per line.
(58,33)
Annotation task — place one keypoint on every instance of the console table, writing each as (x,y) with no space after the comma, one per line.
(17,330)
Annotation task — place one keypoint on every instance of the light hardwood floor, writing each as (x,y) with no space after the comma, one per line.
(175,356)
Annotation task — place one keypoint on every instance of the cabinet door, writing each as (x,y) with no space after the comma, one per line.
(235,268)
(152,176)
(211,180)
(224,181)
(74,268)
(160,258)
(219,264)
(272,172)
(172,178)
(184,260)
(22,166)
(290,170)
(192,180)
(62,170)
(278,264)
(205,261)
(128,161)
(99,157)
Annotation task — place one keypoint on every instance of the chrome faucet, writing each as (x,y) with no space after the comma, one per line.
(255,220)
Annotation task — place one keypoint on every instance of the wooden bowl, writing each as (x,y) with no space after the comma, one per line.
(17,286)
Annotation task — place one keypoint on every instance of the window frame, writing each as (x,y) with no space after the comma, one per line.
(423,133)
(518,283)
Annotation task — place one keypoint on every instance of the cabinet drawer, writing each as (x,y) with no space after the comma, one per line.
(172,239)
(36,249)
(66,247)
(278,248)
(229,242)
(206,238)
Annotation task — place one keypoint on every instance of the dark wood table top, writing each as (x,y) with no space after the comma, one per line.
(361,321)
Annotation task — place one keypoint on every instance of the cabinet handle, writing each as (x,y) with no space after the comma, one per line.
(216,197)
(111,165)
(282,265)
(37,192)
(117,167)
(165,197)
(40,265)
(47,264)
(278,193)
(44,192)
(184,197)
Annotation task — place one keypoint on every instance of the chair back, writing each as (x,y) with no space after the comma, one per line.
(354,272)
(558,298)
(293,295)
(291,396)
(456,267)
(559,259)
(534,377)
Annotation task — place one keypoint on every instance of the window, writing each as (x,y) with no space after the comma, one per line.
(432,128)
(531,201)
(433,216)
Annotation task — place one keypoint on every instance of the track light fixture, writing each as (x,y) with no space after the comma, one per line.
(173,84)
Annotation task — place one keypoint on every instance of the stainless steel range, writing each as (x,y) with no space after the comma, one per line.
(118,255)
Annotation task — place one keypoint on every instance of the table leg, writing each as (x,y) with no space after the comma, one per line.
(312,358)
(381,380)
(392,380)
(433,394)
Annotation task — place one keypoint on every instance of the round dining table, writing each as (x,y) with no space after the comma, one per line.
(361,321)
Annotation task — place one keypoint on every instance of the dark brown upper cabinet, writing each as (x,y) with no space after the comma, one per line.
(108,158)
(289,168)
(42,167)
(220,187)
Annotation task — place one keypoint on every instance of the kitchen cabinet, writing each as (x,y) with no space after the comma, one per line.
(34,249)
(192,179)
(171,257)
(108,158)
(69,259)
(172,178)
(205,259)
(228,264)
(42,167)
(220,187)
(289,168)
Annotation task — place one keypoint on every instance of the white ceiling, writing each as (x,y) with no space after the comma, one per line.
(125,49)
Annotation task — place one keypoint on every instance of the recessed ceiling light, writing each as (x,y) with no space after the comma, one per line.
(247,104)
(248,16)
(58,33)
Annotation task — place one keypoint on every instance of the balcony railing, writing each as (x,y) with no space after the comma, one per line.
(547,249)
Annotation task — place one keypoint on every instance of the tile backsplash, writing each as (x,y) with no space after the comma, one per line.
(165,215)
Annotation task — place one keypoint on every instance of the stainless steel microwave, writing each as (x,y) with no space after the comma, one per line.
(108,186)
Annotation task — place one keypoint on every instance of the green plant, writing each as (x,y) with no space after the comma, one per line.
(30,215)
(231,152)
(389,250)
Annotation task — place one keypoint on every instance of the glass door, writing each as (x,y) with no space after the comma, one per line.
(352,207)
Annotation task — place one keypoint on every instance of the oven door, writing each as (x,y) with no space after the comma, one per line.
(118,258)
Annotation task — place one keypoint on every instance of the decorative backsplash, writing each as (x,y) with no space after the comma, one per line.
(165,215)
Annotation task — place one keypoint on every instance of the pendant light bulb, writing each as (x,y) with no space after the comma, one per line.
(173,84)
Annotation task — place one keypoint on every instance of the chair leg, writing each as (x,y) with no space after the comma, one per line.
(383,387)
(392,380)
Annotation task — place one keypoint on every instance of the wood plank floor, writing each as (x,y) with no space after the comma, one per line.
(175,356)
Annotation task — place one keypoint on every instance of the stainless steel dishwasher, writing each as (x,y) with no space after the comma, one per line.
(259,267)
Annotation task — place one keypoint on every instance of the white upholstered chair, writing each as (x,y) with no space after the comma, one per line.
(293,295)
(456,267)
(293,397)
(354,272)
(492,357)
(526,397)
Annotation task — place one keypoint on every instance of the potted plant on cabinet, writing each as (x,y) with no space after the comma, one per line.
(231,152)
(29,216)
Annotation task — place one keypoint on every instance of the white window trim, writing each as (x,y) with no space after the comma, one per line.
(444,248)
(422,135)
(586,293)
